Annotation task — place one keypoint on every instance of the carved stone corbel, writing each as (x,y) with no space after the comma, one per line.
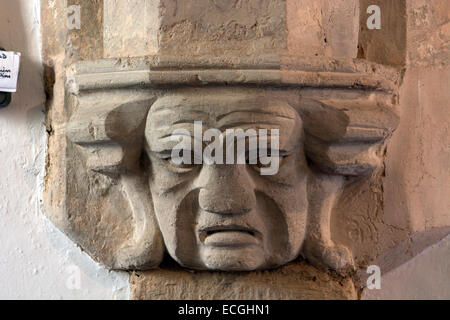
(340,114)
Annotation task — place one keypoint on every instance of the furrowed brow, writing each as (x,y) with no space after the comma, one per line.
(270,113)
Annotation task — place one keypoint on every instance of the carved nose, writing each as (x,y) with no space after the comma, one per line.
(227,190)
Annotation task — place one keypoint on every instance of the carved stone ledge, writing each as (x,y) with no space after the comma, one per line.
(295,281)
(288,71)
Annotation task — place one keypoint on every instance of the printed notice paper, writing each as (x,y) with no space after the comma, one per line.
(9,70)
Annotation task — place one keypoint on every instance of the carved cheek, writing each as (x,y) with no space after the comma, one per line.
(175,206)
(291,199)
(169,189)
(164,181)
(293,204)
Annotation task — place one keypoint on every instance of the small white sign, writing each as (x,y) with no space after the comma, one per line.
(9,70)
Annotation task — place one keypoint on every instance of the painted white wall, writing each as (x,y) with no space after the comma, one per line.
(426,276)
(36,260)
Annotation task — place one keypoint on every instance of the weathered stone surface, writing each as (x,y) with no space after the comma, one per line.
(86,43)
(216,27)
(428,33)
(222,27)
(322,28)
(417,181)
(417,184)
(296,281)
(131,27)
(88,196)
(139,116)
(386,45)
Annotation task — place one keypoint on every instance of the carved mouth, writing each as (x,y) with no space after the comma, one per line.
(212,230)
(229,236)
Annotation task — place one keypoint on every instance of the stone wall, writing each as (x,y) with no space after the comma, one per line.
(417,182)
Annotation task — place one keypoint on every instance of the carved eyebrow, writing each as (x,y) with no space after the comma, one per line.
(171,118)
(167,153)
(168,135)
(221,117)
(177,106)
(281,152)
(183,121)
(163,154)
(254,111)
(246,123)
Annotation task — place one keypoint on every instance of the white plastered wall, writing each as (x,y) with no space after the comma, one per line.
(36,260)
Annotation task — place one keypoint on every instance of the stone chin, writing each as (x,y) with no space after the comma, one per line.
(262,238)
(247,258)
(242,258)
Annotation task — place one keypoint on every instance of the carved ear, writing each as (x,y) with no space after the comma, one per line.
(111,136)
(343,138)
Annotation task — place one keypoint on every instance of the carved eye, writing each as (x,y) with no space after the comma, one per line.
(177,165)
(258,163)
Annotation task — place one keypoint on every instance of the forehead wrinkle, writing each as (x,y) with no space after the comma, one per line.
(252,125)
(168,102)
(170,110)
(173,115)
(261,118)
(216,110)
(170,119)
(167,131)
(255,111)
(192,101)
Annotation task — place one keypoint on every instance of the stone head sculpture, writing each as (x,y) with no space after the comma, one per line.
(331,120)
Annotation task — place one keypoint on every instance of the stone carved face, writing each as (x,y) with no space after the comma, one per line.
(228,216)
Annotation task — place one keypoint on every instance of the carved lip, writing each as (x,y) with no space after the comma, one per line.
(229,235)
